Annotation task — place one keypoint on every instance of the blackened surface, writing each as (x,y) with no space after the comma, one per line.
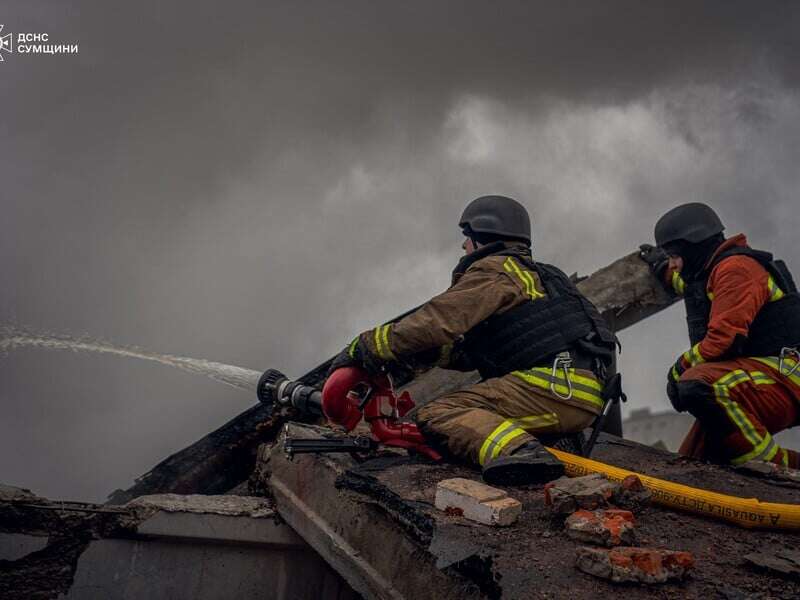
(50,571)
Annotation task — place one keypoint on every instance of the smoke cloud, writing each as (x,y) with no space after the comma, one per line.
(256,183)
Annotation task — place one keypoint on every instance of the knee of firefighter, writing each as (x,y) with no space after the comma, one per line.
(698,373)
(696,395)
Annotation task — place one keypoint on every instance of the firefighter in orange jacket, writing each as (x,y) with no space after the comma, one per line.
(539,345)
(741,378)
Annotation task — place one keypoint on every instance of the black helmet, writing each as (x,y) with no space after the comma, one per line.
(692,222)
(498,216)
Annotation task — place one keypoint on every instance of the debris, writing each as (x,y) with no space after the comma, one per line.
(759,468)
(611,527)
(783,562)
(565,495)
(10,493)
(626,564)
(632,494)
(477,502)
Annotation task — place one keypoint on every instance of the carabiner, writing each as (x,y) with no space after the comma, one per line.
(787,352)
(564,361)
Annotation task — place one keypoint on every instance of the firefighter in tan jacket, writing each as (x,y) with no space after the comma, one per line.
(539,345)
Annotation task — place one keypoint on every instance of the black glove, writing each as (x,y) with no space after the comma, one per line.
(674,396)
(356,354)
(655,258)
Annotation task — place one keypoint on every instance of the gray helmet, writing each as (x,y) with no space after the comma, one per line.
(692,222)
(497,215)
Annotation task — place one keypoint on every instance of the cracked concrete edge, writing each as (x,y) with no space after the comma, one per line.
(227,505)
(347,561)
(357,534)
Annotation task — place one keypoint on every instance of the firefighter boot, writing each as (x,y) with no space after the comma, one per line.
(530,463)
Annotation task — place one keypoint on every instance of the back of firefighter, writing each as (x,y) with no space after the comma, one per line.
(740,378)
(537,343)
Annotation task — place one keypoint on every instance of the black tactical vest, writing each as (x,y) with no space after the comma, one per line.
(777,324)
(532,333)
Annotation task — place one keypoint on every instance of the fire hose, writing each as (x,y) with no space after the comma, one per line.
(745,512)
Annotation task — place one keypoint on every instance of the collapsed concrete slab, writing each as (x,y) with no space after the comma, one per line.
(375,521)
(166,546)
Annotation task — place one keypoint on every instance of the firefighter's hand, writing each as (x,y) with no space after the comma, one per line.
(655,258)
(356,354)
(678,369)
(342,360)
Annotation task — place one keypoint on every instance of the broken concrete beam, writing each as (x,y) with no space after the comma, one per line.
(477,502)
(625,292)
(226,505)
(565,495)
(629,565)
(610,527)
(199,547)
(376,543)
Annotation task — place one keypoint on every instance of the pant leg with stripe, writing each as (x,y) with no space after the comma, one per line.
(739,405)
(496,416)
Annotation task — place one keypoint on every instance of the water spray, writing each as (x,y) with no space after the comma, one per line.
(12,338)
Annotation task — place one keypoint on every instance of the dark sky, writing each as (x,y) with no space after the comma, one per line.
(256,182)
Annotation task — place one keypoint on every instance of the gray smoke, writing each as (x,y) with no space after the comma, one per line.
(256,182)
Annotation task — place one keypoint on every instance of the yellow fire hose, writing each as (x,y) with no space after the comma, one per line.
(745,512)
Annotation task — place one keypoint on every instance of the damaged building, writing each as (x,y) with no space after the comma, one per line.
(236,516)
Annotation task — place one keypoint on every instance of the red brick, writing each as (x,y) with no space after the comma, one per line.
(610,527)
(626,564)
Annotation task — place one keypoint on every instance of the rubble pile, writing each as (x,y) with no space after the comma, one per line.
(601,512)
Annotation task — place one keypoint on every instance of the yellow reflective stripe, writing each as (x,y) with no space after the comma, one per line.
(710,295)
(385,337)
(583,388)
(762,448)
(677,283)
(490,438)
(693,356)
(788,364)
(785,458)
(497,440)
(760,378)
(510,265)
(721,391)
(382,342)
(775,293)
(675,375)
(504,441)
(351,349)
(534,422)
(771,454)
